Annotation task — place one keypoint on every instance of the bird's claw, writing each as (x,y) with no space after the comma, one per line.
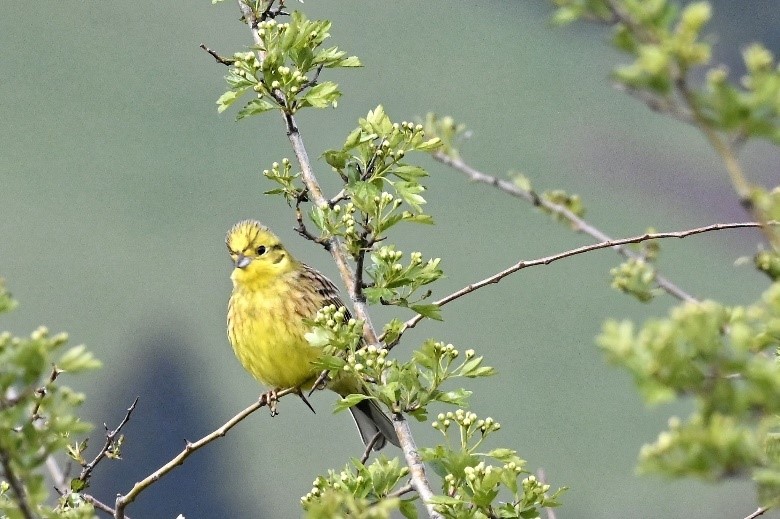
(271,398)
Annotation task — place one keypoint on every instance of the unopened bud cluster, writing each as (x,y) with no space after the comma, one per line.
(482,475)
(39,334)
(334,319)
(406,126)
(386,199)
(290,78)
(369,361)
(466,420)
(446,350)
(276,172)
(347,220)
(534,490)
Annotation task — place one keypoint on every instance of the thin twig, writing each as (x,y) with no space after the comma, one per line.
(401,490)
(123,500)
(577,223)
(759,512)
(87,469)
(40,393)
(495,278)
(16,486)
(220,59)
(100,505)
(370,447)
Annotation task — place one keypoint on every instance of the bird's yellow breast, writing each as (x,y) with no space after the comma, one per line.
(266,330)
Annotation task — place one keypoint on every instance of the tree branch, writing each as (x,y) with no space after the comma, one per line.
(123,500)
(87,469)
(16,486)
(561,211)
(416,466)
(495,278)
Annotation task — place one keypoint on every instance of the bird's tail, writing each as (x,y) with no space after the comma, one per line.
(370,419)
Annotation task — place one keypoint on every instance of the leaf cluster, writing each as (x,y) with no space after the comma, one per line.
(37,416)
(473,484)
(360,491)
(721,357)
(286,77)
(666,42)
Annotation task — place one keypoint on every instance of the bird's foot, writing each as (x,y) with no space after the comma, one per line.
(271,398)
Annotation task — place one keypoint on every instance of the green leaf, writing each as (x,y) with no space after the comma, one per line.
(227,99)
(351,61)
(456,397)
(336,158)
(254,107)
(353,139)
(322,95)
(429,145)
(78,359)
(409,173)
(407,508)
(445,500)
(350,400)
(430,311)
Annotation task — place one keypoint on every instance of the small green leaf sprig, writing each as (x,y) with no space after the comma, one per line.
(472,483)
(394,283)
(381,187)
(409,387)
(287,76)
(361,491)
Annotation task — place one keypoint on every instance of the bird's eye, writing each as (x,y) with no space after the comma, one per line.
(261,250)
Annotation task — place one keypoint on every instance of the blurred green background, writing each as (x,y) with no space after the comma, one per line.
(119,181)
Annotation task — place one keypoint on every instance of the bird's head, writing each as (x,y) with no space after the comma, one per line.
(258,255)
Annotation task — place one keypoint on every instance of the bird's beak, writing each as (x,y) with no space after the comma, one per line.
(242,261)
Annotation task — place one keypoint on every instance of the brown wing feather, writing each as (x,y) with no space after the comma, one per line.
(324,287)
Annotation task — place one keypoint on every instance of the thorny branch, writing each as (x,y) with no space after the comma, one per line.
(579,224)
(190,447)
(108,445)
(495,278)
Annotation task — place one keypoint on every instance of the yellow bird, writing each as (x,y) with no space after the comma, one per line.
(273,294)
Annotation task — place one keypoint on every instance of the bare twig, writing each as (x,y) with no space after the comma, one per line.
(370,447)
(220,59)
(402,490)
(495,278)
(87,469)
(576,222)
(123,500)
(100,505)
(759,512)
(16,486)
(41,392)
